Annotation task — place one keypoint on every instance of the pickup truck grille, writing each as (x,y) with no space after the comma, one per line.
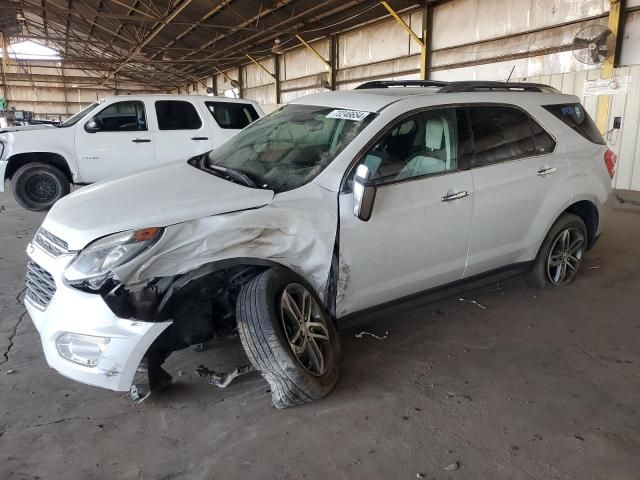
(40,285)
(50,243)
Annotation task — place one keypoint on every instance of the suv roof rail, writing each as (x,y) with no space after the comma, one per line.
(481,86)
(401,83)
(466,86)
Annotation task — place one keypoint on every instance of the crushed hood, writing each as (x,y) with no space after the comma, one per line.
(159,197)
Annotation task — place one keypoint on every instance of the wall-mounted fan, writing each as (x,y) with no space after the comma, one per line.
(593,44)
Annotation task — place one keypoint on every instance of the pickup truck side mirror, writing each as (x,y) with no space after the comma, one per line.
(92,126)
(364,193)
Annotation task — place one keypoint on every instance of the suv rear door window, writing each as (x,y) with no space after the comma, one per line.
(177,115)
(542,141)
(232,115)
(575,116)
(500,133)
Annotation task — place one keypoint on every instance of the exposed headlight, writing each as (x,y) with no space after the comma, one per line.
(93,266)
(1,148)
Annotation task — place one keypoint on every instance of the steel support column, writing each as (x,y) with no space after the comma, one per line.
(276,70)
(616,25)
(333,60)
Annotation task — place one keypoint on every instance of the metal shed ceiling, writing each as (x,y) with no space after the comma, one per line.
(169,43)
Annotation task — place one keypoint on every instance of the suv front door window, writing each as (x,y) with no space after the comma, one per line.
(418,233)
(114,142)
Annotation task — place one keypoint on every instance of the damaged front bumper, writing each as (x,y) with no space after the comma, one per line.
(81,337)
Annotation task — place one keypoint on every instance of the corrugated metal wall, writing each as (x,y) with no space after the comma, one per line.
(471,40)
(54,92)
(626,104)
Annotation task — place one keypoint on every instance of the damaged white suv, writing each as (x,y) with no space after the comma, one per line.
(335,204)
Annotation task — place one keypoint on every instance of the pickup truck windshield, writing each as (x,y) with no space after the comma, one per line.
(290,147)
(72,120)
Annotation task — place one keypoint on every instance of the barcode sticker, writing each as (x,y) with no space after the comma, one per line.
(355,115)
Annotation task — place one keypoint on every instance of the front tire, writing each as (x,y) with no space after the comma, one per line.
(288,337)
(37,186)
(561,253)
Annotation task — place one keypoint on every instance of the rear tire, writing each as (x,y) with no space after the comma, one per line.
(37,186)
(561,253)
(299,359)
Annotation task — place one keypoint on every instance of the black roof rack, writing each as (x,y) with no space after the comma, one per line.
(479,86)
(467,86)
(401,83)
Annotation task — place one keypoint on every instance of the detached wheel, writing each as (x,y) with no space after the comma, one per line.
(561,253)
(37,186)
(288,337)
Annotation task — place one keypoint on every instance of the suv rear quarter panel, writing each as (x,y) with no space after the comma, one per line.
(588,174)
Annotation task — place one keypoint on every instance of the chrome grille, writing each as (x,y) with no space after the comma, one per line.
(40,285)
(50,243)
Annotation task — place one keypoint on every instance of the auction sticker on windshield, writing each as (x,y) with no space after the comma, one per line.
(355,115)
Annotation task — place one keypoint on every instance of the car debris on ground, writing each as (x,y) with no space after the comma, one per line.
(223,380)
(474,302)
(369,334)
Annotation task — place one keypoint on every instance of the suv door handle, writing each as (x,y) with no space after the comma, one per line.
(454,196)
(141,140)
(199,138)
(545,171)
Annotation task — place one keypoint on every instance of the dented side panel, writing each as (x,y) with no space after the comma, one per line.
(297,230)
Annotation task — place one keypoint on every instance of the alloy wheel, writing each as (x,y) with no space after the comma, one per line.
(565,256)
(306,329)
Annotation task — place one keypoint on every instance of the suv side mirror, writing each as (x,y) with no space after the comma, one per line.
(92,126)
(364,193)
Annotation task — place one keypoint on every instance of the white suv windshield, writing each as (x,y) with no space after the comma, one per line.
(290,147)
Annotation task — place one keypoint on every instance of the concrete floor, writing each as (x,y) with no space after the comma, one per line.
(539,385)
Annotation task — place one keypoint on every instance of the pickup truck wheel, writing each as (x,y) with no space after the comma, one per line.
(37,186)
(561,253)
(288,337)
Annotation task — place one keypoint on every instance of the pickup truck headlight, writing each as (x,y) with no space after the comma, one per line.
(93,266)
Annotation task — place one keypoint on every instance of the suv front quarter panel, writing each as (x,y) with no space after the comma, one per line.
(296,230)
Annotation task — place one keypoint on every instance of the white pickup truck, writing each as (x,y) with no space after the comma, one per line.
(114,137)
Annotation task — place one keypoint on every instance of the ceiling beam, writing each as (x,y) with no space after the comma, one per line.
(26,7)
(154,32)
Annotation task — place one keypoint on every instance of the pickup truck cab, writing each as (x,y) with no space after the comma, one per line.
(115,137)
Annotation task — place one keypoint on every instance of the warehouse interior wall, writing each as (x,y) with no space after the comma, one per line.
(54,91)
(526,40)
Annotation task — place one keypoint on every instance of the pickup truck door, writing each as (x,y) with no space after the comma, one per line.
(418,233)
(114,142)
(182,132)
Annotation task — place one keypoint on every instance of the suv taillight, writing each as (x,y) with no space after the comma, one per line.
(610,160)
